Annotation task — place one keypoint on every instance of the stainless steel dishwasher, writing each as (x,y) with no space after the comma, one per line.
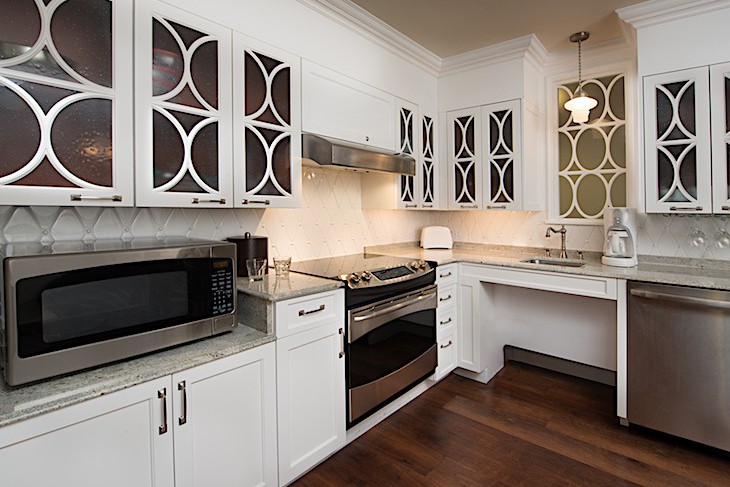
(679,361)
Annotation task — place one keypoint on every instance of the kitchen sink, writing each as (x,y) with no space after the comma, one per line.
(553,261)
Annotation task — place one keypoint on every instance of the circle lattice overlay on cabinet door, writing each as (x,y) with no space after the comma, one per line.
(592,155)
(465,160)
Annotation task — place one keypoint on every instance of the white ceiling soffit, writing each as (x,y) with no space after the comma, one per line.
(660,11)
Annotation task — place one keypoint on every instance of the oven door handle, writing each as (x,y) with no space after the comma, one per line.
(361,324)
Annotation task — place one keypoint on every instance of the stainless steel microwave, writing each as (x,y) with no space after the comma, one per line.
(71,305)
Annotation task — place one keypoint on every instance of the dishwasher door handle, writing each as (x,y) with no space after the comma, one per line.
(680,299)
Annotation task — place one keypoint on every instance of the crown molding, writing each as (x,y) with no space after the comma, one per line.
(370,27)
(656,12)
(527,47)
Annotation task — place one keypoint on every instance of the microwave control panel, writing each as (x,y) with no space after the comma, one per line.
(221,287)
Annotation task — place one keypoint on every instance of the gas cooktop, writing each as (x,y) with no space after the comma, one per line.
(364,270)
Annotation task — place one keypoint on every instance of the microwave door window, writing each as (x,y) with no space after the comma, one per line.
(112,304)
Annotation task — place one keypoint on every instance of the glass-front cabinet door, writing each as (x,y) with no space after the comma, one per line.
(66,103)
(464,159)
(267,125)
(677,142)
(408,145)
(720,95)
(429,168)
(501,123)
(183,108)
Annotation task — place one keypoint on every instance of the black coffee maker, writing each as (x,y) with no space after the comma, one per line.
(250,247)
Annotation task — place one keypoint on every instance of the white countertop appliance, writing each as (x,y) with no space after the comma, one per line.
(619,249)
(436,238)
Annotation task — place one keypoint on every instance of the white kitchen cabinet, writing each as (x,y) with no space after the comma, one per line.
(214,424)
(677,142)
(408,140)
(446,320)
(183,101)
(66,130)
(118,440)
(720,112)
(267,125)
(311,392)
(337,106)
(224,421)
(430,174)
(485,157)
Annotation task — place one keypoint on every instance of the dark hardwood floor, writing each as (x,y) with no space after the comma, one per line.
(528,426)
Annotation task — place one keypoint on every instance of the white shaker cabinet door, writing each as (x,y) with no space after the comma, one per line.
(225,421)
(66,128)
(677,142)
(335,105)
(121,439)
(311,398)
(183,109)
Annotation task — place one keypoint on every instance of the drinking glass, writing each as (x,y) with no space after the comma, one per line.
(256,269)
(281,265)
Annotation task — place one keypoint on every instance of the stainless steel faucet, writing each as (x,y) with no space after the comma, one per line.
(562,232)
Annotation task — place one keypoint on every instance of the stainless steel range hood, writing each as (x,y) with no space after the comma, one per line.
(319,151)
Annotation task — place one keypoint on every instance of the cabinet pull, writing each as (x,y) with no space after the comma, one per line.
(256,202)
(683,208)
(726,208)
(446,298)
(342,342)
(448,274)
(428,206)
(447,345)
(496,207)
(411,206)
(162,394)
(470,206)
(311,311)
(367,138)
(184,416)
(81,197)
(220,201)
(446,322)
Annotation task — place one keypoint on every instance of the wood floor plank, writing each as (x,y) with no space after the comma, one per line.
(526,427)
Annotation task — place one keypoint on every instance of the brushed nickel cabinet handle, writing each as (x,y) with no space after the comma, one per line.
(448,274)
(220,201)
(428,206)
(81,197)
(726,208)
(411,206)
(496,207)
(447,345)
(256,202)
(311,311)
(446,322)
(184,416)
(684,208)
(470,206)
(342,342)
(162,394)
(446,298)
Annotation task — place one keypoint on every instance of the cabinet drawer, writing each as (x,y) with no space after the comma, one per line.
(445,321)
(447,296)
(446,357)
(300,314)
(446,275)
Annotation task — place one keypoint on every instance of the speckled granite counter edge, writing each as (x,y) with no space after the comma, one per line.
(24,402)
(294,285)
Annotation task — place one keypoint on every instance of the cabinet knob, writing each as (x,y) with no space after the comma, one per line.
(367,138)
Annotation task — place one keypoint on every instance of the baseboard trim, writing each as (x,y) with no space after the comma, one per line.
(557,364)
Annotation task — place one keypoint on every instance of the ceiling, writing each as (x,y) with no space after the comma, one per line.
(449,27)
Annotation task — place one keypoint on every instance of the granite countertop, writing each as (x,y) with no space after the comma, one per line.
(22,402)
(712,274)
(279,288)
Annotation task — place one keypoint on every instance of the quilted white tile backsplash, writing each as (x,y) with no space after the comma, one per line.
(332,222)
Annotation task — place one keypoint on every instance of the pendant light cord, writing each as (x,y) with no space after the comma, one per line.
(580,67)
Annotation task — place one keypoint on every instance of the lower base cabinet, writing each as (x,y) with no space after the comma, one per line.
(212,425)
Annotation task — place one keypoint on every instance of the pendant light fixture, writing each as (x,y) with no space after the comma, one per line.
(580,104)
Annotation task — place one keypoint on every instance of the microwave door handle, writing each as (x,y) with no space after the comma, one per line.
(359,326)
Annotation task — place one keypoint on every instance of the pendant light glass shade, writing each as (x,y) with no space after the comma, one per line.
(580,104)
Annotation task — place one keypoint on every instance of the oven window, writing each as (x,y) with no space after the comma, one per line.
(391,346)
(79,307)
(102,306)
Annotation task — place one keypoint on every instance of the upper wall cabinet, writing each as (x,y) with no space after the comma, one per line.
(430,169)
(183,108)
(485,163)
(407,138)
(335,105)
(66,103)
(267,130)
(720,96)
(677,142)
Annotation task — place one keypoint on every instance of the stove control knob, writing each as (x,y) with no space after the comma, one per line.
(354,278)
(414,265)
(365,276)
(422,264)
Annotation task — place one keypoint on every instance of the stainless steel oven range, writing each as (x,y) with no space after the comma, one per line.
(390,338)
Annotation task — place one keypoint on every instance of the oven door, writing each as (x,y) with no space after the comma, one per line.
(391,347)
